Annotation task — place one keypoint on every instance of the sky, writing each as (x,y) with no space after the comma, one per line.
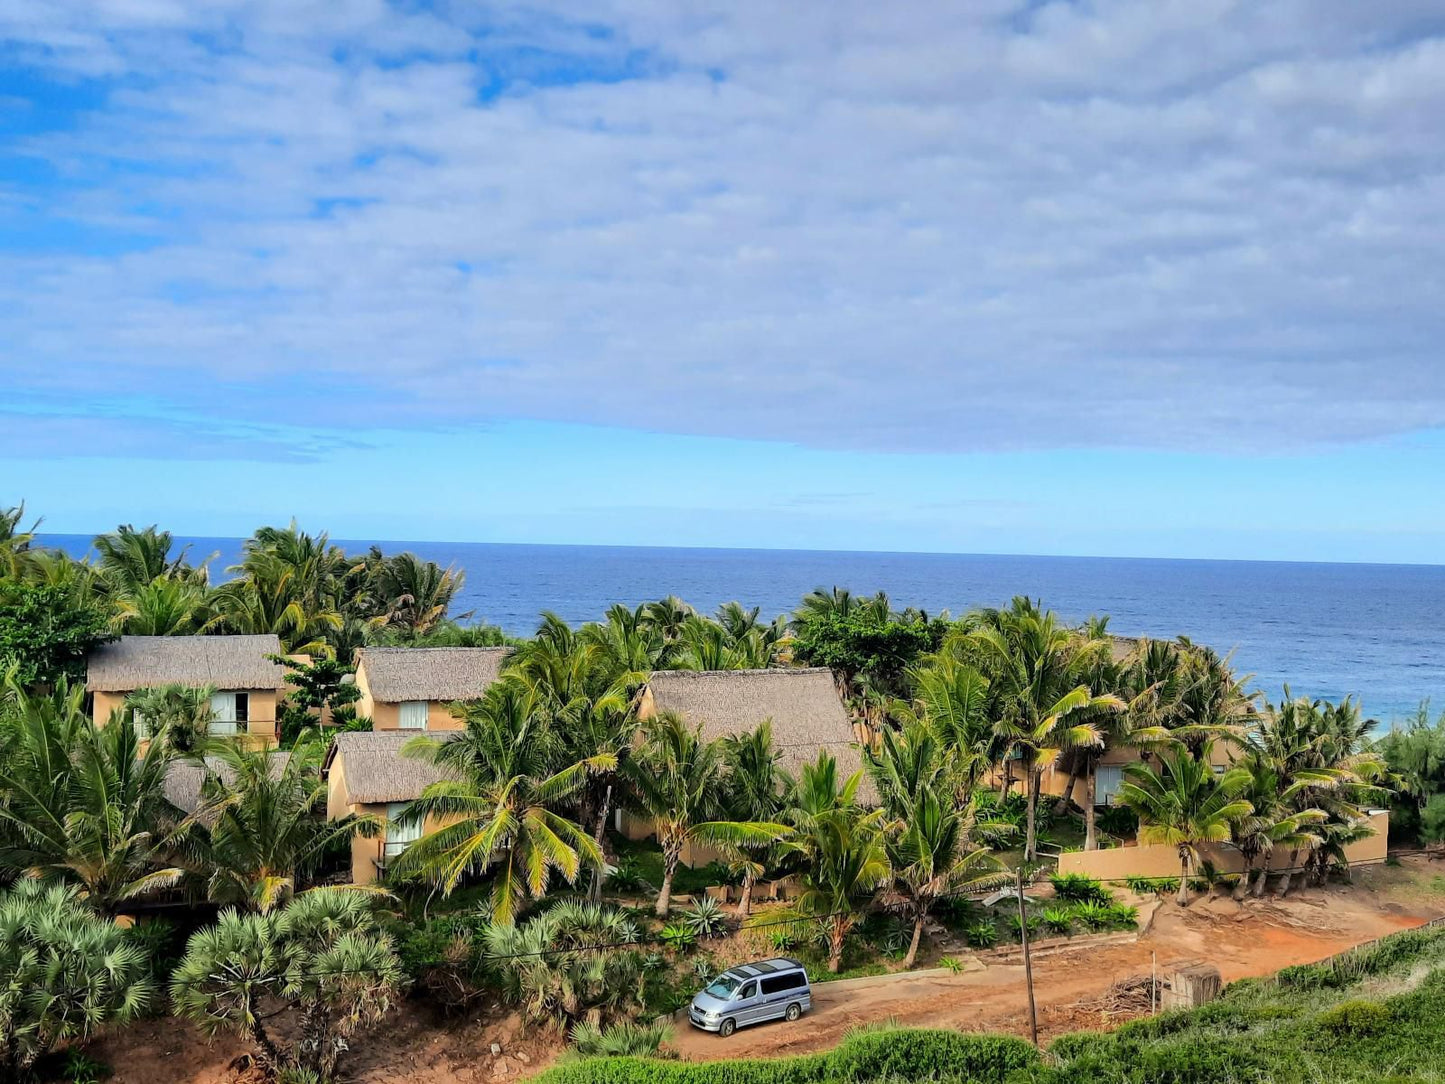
(1128,277)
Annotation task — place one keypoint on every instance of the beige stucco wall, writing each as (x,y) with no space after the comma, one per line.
(261,712)
(1055,776)
(1163,861)
(387,716)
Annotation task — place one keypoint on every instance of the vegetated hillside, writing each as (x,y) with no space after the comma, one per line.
(1370,1016)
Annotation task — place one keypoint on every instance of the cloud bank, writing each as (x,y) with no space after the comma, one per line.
(1183,224)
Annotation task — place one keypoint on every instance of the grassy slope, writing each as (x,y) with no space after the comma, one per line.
(1372,1016)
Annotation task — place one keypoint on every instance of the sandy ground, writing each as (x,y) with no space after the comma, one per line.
(421,1046)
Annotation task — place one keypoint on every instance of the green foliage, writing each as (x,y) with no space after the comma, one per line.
(1058,920)
(1354,1019)
(982,935)
(1016,924)
(808,1069)
(46,633)
(81,1068)
(622,1039)
(64,973)
(627,876)
(1370,959)
(868,648)
(679,936)
(1093,915)
(917,1055)
(1160,886)
(1432,819)
(1077,887)
(705,918)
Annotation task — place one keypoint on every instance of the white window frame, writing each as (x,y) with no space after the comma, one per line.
(408,712)
(398,836)
(1105,795)
(142,727)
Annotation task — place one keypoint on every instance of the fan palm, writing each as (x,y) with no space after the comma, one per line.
(1181,803)
(495,810)
(676,780)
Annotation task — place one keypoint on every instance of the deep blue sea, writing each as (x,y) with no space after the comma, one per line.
(1374,631)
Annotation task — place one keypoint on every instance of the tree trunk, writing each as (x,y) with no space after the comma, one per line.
(267,1055)
(1261,880)
(835,948)
(670,857)
(913,947)
(1066,799)
(1008,775)
(745,905)
(1030,838)
(1183,898)
(598,835)
(1288,874)
(1242,885)
(1091,815)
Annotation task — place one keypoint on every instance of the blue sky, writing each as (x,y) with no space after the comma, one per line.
(1125,277)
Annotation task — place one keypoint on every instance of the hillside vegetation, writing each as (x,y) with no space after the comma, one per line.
(1370,1016)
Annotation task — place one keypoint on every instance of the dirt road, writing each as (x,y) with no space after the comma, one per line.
(1256,938)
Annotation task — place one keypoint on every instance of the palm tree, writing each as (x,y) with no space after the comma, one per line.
(412,594)
(1038,674)
(178,714)
(951,700)
(130,559)
(931,855)
(164,606)
(823,605)
(15,542)
(496,808)
(83,803)
(1277,818)
(267,830)
(756,786)
(1182,804)
(677,781)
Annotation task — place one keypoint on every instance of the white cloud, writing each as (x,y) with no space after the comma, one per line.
(1200,224)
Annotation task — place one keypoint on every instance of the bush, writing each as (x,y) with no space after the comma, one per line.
(982,935)
(627,875)
(915,1054)
(1356,963)
(679,936)
(624,1039)
(1160,886)
(705,918)
(1353,1019)
(1093,915)
(1015,925)
(1058,919)
(809,1069)
(1075,887)
(1122,917)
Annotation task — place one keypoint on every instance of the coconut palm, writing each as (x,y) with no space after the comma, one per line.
(1278,816)
(951,701)
(822,605)
(1181,803)
(15,542)
(756,786)
(844,865)
(179,714)
(164,606)
(413,595)
(1038,674)
(85,804)
(676,780)
(267,829)
(496,808)
(67,973)
(129,559)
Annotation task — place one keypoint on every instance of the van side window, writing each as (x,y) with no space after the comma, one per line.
(750,990)
(778,983)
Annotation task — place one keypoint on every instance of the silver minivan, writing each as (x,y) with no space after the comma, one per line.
(774,989)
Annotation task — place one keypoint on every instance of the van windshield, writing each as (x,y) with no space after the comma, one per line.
(723,987)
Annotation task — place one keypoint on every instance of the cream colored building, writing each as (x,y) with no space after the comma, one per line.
(367,774)
(413,688)
(248,685)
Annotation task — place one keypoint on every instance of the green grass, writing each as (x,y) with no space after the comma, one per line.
(1370,1016)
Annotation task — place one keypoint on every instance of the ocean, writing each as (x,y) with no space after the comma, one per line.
(1372,631)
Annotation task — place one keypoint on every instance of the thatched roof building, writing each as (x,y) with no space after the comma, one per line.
(375,771)
(395,674)
(807,714)
(226,662)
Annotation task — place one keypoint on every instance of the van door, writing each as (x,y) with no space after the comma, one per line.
(780,991)
(746,1009)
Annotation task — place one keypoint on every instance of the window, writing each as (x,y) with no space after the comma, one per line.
(750,990)
(223,713)
(398,836)
(413,715)
(778,983)
(142,726)
(1219,769)
(1107,780)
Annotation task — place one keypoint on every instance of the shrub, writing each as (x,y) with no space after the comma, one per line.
(679,936)
(1122,917)
(1058,919)
(624,1039)
(1356,1018)
(1160,886)
(627,876)
(64,973)
(1093,915)
(1016,926)
(705,918)
(809,1069)
(915,1054)
(1075,887)
(1196,1059)
(982,935)
(81,1068)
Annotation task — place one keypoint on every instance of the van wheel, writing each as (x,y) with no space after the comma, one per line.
(794,1011)
(727,1027)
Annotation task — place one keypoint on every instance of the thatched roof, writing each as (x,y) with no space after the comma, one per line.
(184,778)
(227,662)
(807,713)
(375,770)
(394,674)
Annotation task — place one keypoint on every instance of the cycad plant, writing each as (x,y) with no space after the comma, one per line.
(322,955)
(64,974)
(497,807)
(676,780)
(1181,803)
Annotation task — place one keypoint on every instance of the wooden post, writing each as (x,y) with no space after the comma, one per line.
(1028,963)
(1153,983)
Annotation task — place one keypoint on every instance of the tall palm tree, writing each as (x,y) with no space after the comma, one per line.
(412,594)
(15,542)
(822,605)
(83,803)
(676,780)
(164,606)
(951,700)
(1182,804)
(1038,675)
(496,808)
(756,786)
(267,829)
(129,559)
(1278,816)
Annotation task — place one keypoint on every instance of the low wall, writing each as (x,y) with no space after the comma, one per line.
(1163,861)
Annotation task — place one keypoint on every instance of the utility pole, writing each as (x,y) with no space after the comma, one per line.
(1028,963)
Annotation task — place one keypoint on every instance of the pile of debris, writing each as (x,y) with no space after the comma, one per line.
(1132,996)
